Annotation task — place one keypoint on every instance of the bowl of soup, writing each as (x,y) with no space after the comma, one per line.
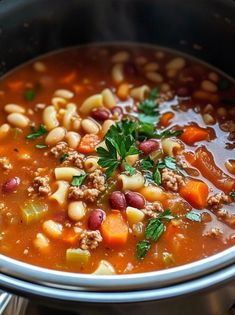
(117,170)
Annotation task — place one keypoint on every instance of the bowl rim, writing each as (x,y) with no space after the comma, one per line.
(136,281)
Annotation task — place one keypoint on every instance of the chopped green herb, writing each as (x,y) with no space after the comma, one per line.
(154,230)
(41,146)
(64,157)
(168,162)
(223,84)
(130,169)
(146,164)
(157,176)
(145,130)
(193,216)
(232,194)
(169,133)
(149,108)
(36,133)
(120,142)
(78,180)
(30,95)
(142,248)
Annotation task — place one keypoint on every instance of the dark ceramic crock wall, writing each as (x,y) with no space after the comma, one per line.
(204,28)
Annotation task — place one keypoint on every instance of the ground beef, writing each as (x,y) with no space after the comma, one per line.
(226,216)
(95,184)
(90,239)
(40,186)
(96,180)
(5,163)
(60,149)
(217,200)
(214,232)
(73,158)
(153,210)
(172,180)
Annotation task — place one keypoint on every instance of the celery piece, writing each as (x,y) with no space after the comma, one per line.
(33,211)
(77,255)
(168,259)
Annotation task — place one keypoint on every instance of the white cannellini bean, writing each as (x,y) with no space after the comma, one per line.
(41,242)
(76,210)
(90,126)
(55,135)
(118,73)
(177,63)
(154,76)
(73,138)
(39,66)
(67,173)
(213,76)
(141,60)
(64,94)
(52,228)
(209,86)
(18,120)
(108,98)
(121,56)
(49,117)
(151,66)
(4,129)
(14,108)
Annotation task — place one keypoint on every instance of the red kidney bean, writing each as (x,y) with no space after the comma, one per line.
(148,146)
(100,114)
(10,185)
(117,200)
(95,219)
(183,91)
(135,200)
(117,110)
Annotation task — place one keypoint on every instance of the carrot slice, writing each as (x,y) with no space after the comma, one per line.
(166,118)
(70,77)
(194,134)
(88,143)
(195,192)
(204,162)
(114,229)
(190,157)
(15,86)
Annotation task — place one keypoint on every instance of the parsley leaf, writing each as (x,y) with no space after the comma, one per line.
(169,133)
(166,215)
(157,176)
(130,169)
(30,95)
(64,157)
(168,162)
(120,142)
(193,216)
(37,133)
(142,248)
(41,146)
(154,229)
(146,164)
(149,108)
(232,194)
(78,180)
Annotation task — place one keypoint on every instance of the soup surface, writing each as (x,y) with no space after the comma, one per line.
(116,159)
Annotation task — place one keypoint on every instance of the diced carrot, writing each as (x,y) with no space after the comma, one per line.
(114,229)
(194,134)
(88,143)
(190,157)
(195,192)
(77,88)
(15,86)
(204,162)
(70,77)
(166,118)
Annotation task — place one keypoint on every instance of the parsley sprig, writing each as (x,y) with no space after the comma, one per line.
(77,180)
(148,108)
(120,142)
(155,228)
(36,133)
